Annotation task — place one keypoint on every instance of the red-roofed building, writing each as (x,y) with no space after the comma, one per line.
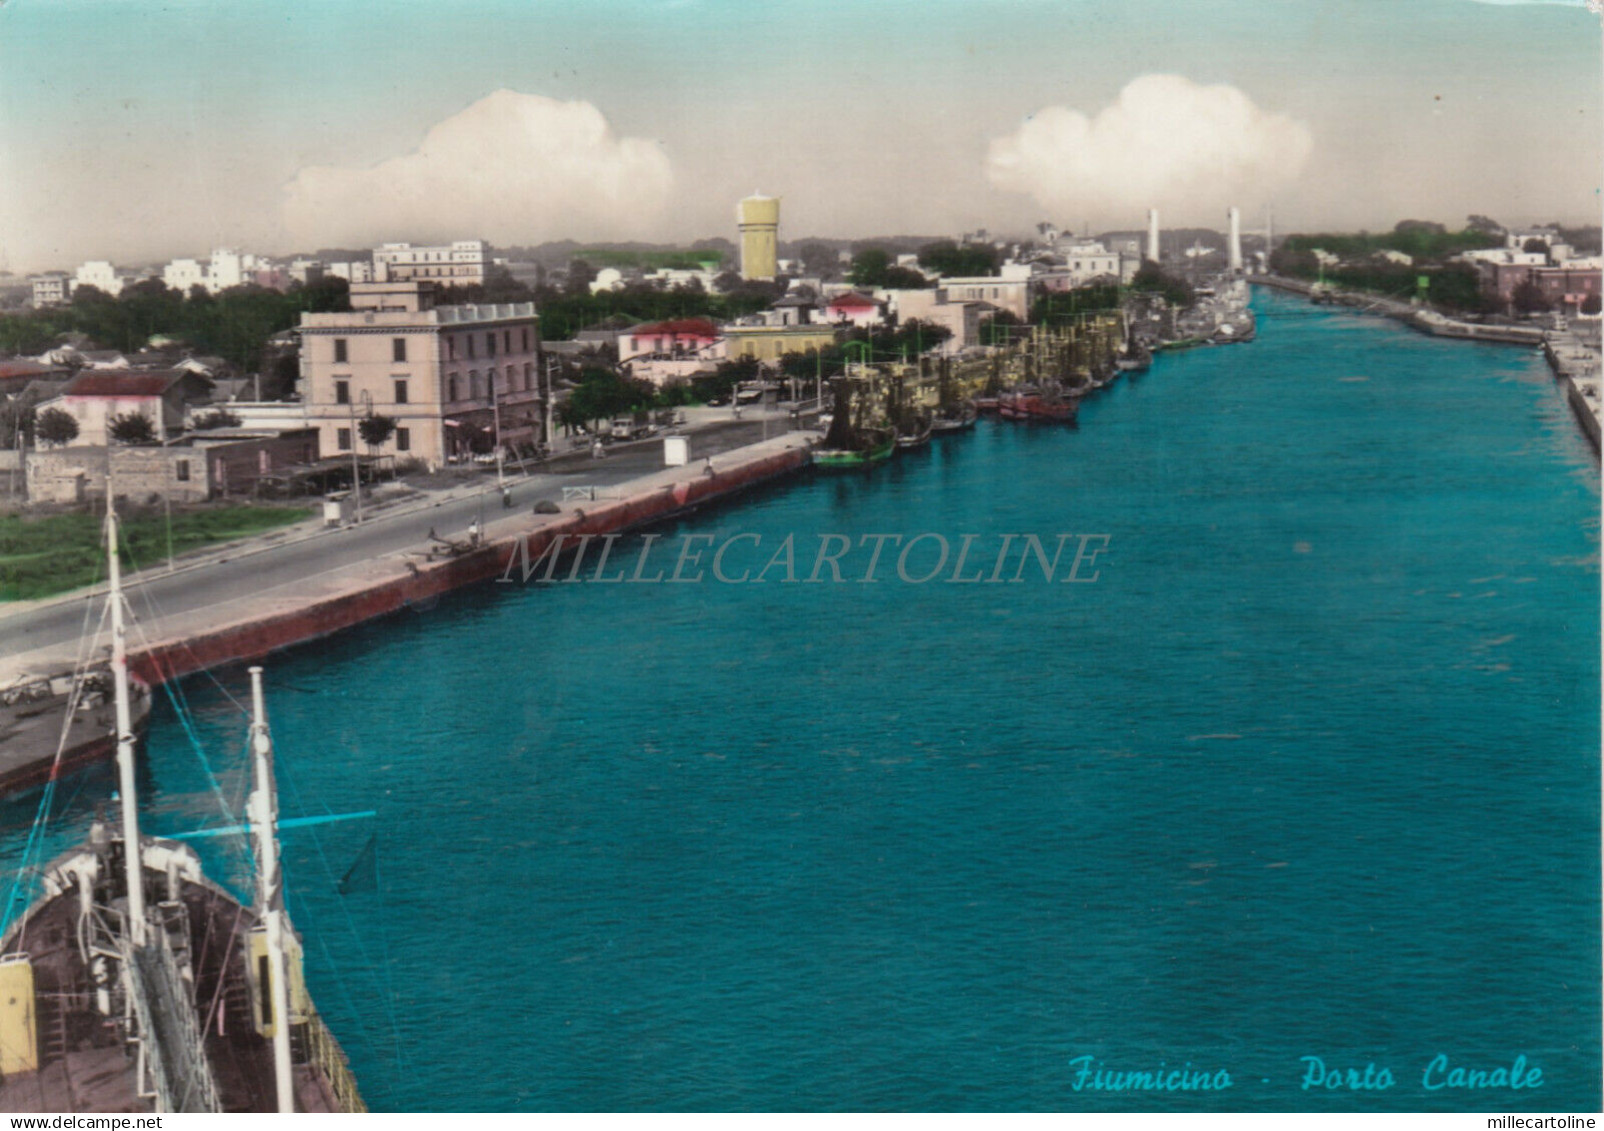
(856,308)
(17,373)
(94,397)
(677,337)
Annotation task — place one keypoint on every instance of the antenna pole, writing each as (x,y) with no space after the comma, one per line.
(126,786)
(263,812)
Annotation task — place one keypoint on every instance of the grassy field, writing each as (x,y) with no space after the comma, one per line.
(55,553)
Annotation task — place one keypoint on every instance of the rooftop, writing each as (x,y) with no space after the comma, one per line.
(466,314)
(694,327)
(107,383)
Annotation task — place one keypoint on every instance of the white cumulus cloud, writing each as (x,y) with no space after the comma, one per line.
(1165,141)
(511,168)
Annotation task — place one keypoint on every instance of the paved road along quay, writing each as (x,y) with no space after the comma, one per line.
(263,595)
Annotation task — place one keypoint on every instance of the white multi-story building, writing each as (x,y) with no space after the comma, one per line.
(1086,260)
(53,288)
(182,274)
(229,268)
(101,275)
(463,263)
(352,271)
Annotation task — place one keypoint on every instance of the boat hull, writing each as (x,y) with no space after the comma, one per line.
(835,459)
(1033,407)
(30,733)
(80,1055)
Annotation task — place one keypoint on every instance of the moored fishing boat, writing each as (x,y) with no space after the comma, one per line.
(52,726)
(848,446)
(1028,403)
(879,445)
(132,982)
(917,435)
(962,420)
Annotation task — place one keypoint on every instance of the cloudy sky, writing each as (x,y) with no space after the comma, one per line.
(136,130)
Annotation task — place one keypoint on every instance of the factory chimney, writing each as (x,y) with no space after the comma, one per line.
(1152,234)
(1236,241)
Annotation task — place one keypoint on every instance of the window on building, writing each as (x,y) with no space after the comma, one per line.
(512,378)
(400,390)
(403,439)
(342,391)
(451,348)
(181,471)
(398,349)
(526,339)
(473,384)
(528,376)
(342,439)
(490,344)
(451,387)
(339,352)
(469,339)
(506,341)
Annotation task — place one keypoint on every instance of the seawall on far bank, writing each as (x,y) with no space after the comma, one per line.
(251,627)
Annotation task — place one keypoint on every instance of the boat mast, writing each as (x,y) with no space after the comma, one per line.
(125,737)
(263,811)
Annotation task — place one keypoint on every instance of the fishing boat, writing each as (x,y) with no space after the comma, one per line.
(849,446)
(960,420)
(51,726)
(879,446)
(1029,403)
(132,982)
(913,430)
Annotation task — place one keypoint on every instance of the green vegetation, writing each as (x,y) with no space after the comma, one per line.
(602,395)
(234,325)
(693,259)
(375,429)
(945,257)
(1418,239)
(1452,286)
(902,343)
(1060,306)
(872,267)
(564,314)
(51,554)
(131,428)
(1150,277)
(54,426)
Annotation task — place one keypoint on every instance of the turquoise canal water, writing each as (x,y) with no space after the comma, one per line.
(1309,771)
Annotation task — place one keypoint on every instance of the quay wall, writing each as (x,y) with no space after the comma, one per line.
(1582,411)
(412,582)
(1575,368)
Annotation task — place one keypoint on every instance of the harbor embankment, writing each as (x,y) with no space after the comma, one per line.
(256,625)
(1576,368)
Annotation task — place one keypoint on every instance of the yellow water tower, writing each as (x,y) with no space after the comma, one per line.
(759,219)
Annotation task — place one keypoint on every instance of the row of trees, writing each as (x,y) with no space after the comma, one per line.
(234,324)
(1454,286)
(1421,240)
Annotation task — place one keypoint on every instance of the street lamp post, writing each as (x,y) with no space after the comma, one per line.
(356,467)
(546,439)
